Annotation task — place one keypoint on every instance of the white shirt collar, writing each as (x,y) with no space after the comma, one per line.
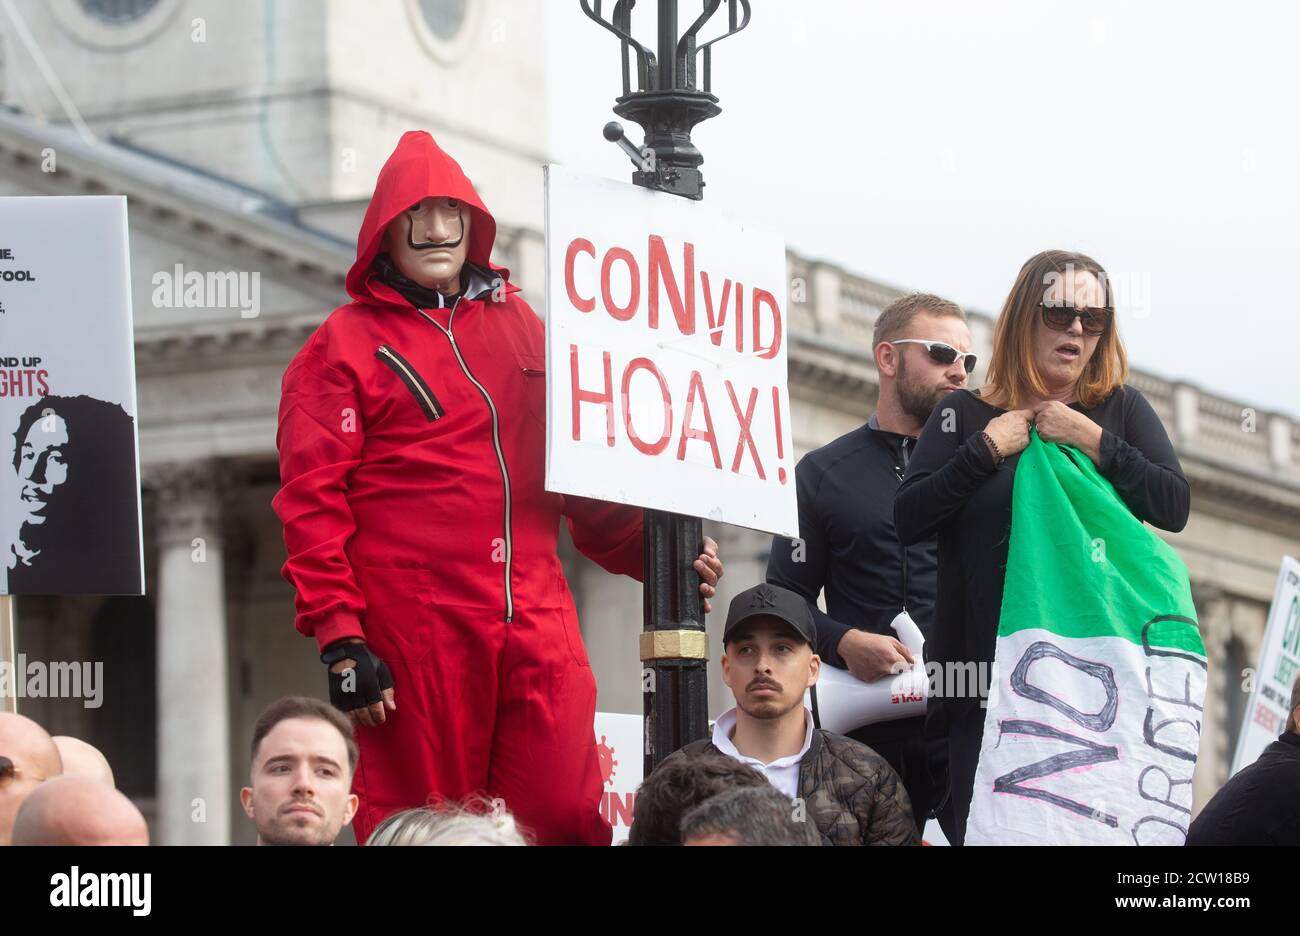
(725,726)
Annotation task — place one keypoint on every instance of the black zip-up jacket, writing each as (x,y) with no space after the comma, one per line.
(1258,806)
(849,546)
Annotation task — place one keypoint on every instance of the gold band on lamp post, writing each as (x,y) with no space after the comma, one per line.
(674,645)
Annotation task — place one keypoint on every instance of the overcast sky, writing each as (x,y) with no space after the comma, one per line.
(937,146)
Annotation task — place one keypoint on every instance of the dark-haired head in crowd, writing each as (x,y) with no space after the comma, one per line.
(677,785)
(302,762)
(747,816)
(1058,366)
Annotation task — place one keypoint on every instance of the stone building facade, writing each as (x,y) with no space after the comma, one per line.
(249,143)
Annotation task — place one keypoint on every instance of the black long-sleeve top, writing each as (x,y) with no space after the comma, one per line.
(848,544)
(954,488)
(848,547)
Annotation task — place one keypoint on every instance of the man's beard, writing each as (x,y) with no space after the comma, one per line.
(286,834)
(768,709)
(917,401)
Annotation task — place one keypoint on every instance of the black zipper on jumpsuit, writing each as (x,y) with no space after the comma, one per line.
(496,442)
(414,382)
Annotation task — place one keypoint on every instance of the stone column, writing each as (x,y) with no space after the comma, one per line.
(194,795)
(1213,611)
(1279,441)
(1187,407)
(824,291)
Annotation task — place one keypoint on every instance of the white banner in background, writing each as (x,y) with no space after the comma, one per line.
(1279,661)
(619,744)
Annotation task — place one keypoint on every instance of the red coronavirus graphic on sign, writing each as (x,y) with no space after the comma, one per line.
(607,763)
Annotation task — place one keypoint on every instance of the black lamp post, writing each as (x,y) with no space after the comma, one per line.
(668,104)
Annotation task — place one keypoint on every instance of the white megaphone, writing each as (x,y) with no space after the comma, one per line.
(845,702)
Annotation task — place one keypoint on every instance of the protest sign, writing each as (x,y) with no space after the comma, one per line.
(667,331)
(1279,661)
(70,494)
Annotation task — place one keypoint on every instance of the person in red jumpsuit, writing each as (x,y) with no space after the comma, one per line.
(421,540)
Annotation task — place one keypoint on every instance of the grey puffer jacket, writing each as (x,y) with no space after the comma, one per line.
(849,791)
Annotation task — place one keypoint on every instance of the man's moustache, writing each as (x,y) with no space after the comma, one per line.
(301,803)
(431,245)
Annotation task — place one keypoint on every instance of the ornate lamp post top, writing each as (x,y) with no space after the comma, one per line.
(667,102)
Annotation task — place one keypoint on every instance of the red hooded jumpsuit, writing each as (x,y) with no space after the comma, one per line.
(411,462)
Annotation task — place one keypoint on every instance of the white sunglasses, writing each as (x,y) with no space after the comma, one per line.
(941,352)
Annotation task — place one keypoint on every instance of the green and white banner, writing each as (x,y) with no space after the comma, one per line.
(1094,713)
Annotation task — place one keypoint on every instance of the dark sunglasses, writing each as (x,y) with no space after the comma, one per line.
(941,353)
(1059,317)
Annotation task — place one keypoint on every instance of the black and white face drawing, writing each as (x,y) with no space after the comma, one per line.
(42,467)
(76,522)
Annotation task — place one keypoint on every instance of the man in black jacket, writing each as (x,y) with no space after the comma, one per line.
(1260,805)
(847,542)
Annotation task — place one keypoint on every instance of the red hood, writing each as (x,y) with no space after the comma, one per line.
(417,169)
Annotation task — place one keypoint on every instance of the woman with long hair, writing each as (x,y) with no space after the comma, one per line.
(1058,365)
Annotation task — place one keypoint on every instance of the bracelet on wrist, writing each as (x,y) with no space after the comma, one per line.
(993,446)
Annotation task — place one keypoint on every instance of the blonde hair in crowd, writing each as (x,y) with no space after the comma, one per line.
(477,822)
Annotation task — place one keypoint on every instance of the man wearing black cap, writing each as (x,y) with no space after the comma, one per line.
(845,789)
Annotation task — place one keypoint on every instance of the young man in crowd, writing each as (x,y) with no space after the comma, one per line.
(847,791)
(302,763)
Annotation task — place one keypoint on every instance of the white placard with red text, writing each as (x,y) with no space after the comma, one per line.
(666,355)
(1279,662)
(618,747)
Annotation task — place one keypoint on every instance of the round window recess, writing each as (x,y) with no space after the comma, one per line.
(118,12)
(444,26)
(113,24)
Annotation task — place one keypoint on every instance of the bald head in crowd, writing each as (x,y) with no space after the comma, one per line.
(28,757)
(78,811)
(83,760)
